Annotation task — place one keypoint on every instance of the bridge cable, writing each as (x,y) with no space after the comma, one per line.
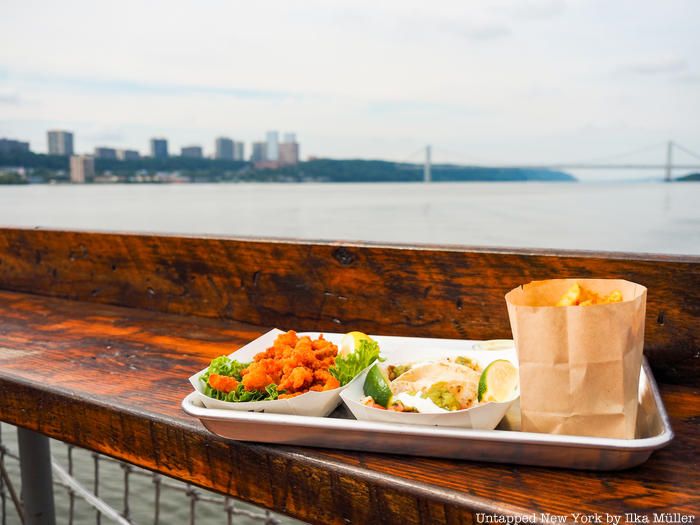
(686,150)
(454,154)
(483,162)
(409,157)
(625,154)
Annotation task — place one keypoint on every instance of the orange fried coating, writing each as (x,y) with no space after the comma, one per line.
(223,383)
(295,364)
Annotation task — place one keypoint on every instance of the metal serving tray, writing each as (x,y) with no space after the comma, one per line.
(506,444)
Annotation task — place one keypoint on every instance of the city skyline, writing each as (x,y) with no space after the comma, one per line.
(270,153)
(61,142)
(160,147)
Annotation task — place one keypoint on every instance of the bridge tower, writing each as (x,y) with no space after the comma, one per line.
(426,167)
(669,161)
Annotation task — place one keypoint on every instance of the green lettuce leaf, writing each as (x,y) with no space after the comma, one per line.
(241,395)
(348,366)
(225,366)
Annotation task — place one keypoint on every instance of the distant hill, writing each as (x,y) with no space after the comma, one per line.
(356,170)
(53,167)
(695,177)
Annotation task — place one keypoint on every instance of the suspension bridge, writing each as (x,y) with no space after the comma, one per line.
(667,167)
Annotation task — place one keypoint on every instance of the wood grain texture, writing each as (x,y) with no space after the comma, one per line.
(430,292)
(111,379)
(392,290)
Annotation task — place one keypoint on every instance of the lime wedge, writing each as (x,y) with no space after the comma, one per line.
(377,386)
(498,381)
(351,342)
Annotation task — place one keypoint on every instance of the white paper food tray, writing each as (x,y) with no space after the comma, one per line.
(308,404)
(402,350)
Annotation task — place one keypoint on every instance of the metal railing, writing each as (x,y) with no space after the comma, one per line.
(186,503)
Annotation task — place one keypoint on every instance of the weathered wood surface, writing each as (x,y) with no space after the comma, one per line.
(111,379)
(432,291)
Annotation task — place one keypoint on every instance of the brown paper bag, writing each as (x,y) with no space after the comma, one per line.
(579,365)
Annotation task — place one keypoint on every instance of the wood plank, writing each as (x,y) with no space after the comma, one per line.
(111,379)
(452,292)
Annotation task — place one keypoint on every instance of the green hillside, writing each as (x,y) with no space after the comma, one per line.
(52,167)
(328,170)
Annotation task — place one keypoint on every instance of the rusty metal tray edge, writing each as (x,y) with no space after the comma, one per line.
(501,446)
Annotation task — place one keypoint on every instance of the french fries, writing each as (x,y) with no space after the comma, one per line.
(579,296)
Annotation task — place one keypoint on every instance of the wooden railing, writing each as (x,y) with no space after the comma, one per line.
(99,332)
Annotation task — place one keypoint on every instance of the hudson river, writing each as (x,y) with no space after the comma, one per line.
(637,217)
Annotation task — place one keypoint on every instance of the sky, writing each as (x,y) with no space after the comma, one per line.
(485,82)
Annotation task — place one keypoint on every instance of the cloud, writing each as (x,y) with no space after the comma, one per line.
(396,107)
(656,66)
(478,32)
(485,32)
(10,99)
(537,9)
(132,87)
(689,78)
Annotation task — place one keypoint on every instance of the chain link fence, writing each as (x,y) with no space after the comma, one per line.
(92,488)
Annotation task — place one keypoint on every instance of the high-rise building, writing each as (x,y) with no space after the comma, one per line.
(223,148)
(289,153)
(289,150)
(13,146)
(259,153)
(60,142)
(192,152)
(239,151)
(128,154)
(82,168)
(105,153)
(272,150)
(159,148)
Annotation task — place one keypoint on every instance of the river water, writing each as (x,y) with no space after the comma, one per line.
(635,217)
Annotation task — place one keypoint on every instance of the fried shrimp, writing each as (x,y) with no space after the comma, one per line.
(223,383)
(295,364)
